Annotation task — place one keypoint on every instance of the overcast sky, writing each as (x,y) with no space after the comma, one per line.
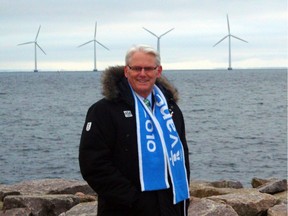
(198,25)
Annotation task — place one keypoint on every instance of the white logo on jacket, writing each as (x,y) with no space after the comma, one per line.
(127,113)
(88,126)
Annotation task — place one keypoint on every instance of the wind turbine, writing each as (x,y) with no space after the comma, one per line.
(95,41)
(158,37)
(35,48)
(229,37)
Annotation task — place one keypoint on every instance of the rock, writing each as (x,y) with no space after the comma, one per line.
(82,209)
(203,189)
(206,207)
(85,197)
(6,192)
(70,198)
(41,205)
(257,182)
(227,184)
(17,212)
(281,197)
(273,187)
(46,186)
(249,203)
(278,210)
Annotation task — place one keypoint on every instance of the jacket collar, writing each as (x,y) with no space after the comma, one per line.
(115,85)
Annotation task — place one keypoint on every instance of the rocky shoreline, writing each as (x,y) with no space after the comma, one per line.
(61,197)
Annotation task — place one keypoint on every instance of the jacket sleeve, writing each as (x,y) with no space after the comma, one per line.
(95,158)
(185,147)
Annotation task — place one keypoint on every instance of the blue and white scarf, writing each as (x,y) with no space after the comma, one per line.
(159,148)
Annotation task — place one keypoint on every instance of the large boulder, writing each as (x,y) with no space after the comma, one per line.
(46,186)
(273,187)
(17,212)
(281,197)
(257,182)
(202,189)
(247,203)
(83,209)
(227,184)
(206,207)
(41,205)
(278,210)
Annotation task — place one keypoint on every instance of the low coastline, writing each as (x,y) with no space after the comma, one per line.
(73,197)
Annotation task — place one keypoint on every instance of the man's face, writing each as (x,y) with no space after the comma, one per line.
(142,81)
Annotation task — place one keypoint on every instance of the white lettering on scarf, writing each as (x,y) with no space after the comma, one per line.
(169,123)
(151,145)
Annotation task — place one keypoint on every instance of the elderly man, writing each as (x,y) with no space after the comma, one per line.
(133,150)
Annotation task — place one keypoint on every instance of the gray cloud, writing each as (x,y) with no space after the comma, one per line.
(198,26)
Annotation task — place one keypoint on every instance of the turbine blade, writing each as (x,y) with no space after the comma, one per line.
(37,33)
(150,32)
(40,48)
(26,43)
(95,30)
(85,43)
(239,38)
(221,40)
(228,24)
(166,33)
(102,45)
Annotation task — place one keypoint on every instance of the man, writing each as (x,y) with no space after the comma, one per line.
(134,155)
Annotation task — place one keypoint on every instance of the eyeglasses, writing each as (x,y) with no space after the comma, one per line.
(139,69)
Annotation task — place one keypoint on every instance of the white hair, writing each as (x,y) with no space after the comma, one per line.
(142,48)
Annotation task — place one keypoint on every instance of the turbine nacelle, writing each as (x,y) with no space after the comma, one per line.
(158,37)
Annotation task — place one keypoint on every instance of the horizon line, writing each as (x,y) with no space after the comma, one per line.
(178,69)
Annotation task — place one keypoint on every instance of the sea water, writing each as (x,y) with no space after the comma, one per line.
(236,122)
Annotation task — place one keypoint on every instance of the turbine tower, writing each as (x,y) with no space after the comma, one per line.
(229,37)
(95,42)
(158,37)
(35,48)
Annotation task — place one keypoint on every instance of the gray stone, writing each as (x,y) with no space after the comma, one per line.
(206,207)
(257,182)
(82,209)
(249,203)
(227,184)
(281,197)
(46,186)
(85,197)
(4,191)
(202,189)
(41,205)
(278,210)
(273,187)
(16,212)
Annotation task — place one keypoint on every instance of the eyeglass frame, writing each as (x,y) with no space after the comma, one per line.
(139,68)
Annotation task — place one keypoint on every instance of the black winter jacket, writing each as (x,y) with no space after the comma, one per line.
(108,154)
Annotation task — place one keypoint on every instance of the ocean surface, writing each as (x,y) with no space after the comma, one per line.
(236,122)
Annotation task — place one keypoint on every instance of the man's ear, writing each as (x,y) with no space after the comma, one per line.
(125,71)
(159,71)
